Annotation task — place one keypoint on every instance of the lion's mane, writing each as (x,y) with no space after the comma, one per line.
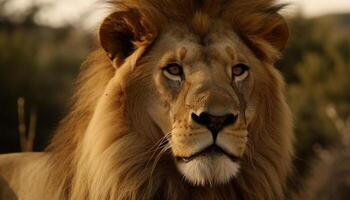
(124,169)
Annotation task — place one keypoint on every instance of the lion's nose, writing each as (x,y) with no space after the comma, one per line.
(214,123)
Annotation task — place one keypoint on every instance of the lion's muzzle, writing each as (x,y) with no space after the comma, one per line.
(214,123)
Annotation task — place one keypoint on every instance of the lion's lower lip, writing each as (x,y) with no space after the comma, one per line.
(211,150)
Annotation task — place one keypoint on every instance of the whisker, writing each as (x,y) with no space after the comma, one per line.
(164,149)
(158,145)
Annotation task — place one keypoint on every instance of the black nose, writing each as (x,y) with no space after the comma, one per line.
(214,123)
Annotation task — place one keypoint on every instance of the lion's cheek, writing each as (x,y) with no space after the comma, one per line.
(234,142)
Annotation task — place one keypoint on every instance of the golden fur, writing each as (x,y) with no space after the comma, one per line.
(111,147)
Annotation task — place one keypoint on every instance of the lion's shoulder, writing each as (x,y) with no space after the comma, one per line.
(15,161)
(18,172)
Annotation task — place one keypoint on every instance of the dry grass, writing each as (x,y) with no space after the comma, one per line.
(26,137)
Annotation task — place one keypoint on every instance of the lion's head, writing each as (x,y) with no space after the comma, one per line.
(203,83)
(196,79)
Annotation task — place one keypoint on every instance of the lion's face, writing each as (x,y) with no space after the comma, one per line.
(204,85)
(204,101)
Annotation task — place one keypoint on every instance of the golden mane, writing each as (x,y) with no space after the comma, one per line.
(125,171)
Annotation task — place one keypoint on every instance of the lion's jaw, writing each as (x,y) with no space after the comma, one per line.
(211,169)
(201,156)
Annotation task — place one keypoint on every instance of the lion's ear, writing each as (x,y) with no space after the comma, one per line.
(122,33)
(261,29)
(276,32)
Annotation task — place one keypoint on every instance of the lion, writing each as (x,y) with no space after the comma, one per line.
(181,100)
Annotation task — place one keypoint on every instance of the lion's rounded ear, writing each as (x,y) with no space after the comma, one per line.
(276,32)
(122,33)
(259,30)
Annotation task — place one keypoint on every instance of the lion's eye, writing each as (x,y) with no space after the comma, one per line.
(173,71)
(240,72)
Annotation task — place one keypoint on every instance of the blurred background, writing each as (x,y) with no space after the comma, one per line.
(44,42)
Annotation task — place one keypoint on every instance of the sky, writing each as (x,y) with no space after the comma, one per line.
(314,8)
(58,13)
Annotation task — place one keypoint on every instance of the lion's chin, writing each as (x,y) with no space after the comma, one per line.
(209,170)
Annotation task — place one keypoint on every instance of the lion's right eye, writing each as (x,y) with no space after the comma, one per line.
(240,72)
(173,71)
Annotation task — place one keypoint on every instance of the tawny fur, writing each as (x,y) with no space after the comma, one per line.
(106,149)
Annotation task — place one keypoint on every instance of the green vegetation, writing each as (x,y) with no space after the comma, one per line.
(317,68)
(40,64)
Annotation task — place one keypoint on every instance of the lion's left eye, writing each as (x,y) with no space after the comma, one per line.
(173,72)
(240,72)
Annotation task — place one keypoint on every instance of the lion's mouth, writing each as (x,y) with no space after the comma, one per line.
(211,150)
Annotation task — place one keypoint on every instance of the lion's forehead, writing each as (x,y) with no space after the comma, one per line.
(222,46)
